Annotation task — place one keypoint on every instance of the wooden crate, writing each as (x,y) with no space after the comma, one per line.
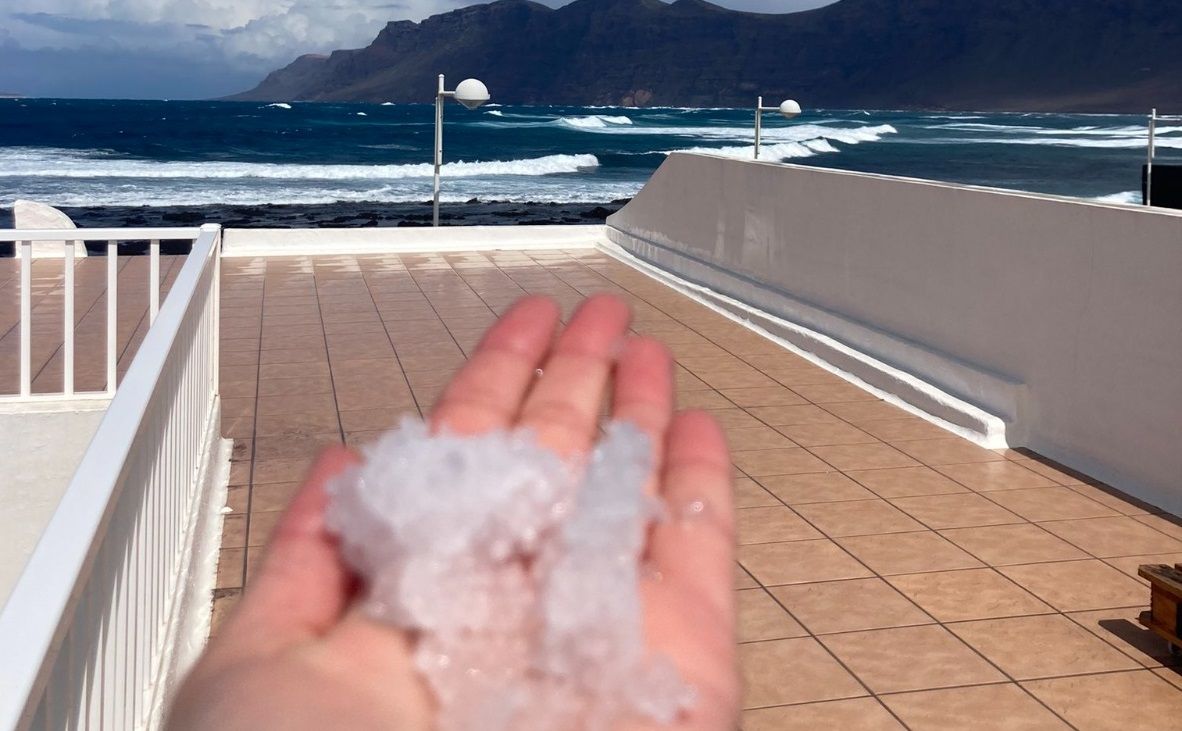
(1165,603)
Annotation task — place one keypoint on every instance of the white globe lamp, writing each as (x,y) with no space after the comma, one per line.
(472,93)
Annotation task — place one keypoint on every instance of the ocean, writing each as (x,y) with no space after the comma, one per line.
(161,154)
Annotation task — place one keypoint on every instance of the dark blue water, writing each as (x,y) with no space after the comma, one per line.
(85,153)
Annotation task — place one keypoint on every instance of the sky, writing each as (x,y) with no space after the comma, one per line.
(195,49)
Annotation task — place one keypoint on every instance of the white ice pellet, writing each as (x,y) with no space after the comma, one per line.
(518,573)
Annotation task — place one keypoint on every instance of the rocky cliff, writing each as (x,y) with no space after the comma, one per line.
(1049,55)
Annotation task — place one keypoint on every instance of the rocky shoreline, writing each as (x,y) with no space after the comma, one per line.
(340,215)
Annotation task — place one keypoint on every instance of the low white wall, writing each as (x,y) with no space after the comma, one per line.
(240,242)
(1061,317)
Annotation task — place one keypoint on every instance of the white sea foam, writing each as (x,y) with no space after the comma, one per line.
(495,112)
(595,121)
(280,105)
(58,163)
(1130,197)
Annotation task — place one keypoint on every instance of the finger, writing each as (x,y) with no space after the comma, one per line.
(694,548)
(302,587)
(487,392)
(643,390)
(563,406)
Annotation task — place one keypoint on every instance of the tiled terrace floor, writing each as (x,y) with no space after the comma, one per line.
(90,317)
(891,575)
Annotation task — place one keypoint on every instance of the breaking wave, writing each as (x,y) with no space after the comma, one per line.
(595,121)
(1130,197)
(57,163)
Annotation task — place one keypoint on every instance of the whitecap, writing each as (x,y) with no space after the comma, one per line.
(280,105)
(59,163)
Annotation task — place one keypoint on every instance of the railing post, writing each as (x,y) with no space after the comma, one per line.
(26,317)
(68,320)
(112,311)
(154,280)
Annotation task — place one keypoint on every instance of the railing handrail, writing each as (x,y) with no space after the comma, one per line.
(45,596)
(10,235)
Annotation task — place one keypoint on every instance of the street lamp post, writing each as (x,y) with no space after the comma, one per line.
(471,93)
(788,108)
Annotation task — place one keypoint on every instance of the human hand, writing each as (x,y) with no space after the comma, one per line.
(298,654)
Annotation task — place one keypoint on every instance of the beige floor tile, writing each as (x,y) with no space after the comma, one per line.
(816,435)
(855,714)
(1043,646)
(772,525)
(723,380)
(958,510)
(1120,628)
(860,412)
(910,428)
(293,446)
(757,438)
(1074,586)
(1050,503)
(1114,499)
(376,419)
(910,658)
(906,482)
(863,456)
(735,419)
(704,399)
(792,671)
(234,531)
(846,606)
(1001,707)
(1109,537)
(908,553)
(857,518)
(1113,701)
(818,487)
(791,461)
(1170,526)
(936,452)
(788,415)
(750,494)
(984,476)
(272,495)
(955,596)
(762,618)
(1004,545)
(261,526)
(799,562)
(295,424)
(282,470)
(230,568)
(224,601)
(1049,468)
(833,393)
(1130,564)
(1171,675)
(764,396)
(237,497)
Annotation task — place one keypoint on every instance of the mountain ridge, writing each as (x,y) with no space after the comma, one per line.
(989,55)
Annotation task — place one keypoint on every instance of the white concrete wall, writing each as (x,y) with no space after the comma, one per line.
(1062,317)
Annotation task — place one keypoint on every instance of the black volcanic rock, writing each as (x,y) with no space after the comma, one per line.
(1050,55)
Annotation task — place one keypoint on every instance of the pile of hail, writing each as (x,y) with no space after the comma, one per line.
(515,571)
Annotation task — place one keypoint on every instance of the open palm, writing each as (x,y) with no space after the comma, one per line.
(298,654)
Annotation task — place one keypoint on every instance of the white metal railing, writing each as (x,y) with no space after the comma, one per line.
(87,633)
(23,241)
